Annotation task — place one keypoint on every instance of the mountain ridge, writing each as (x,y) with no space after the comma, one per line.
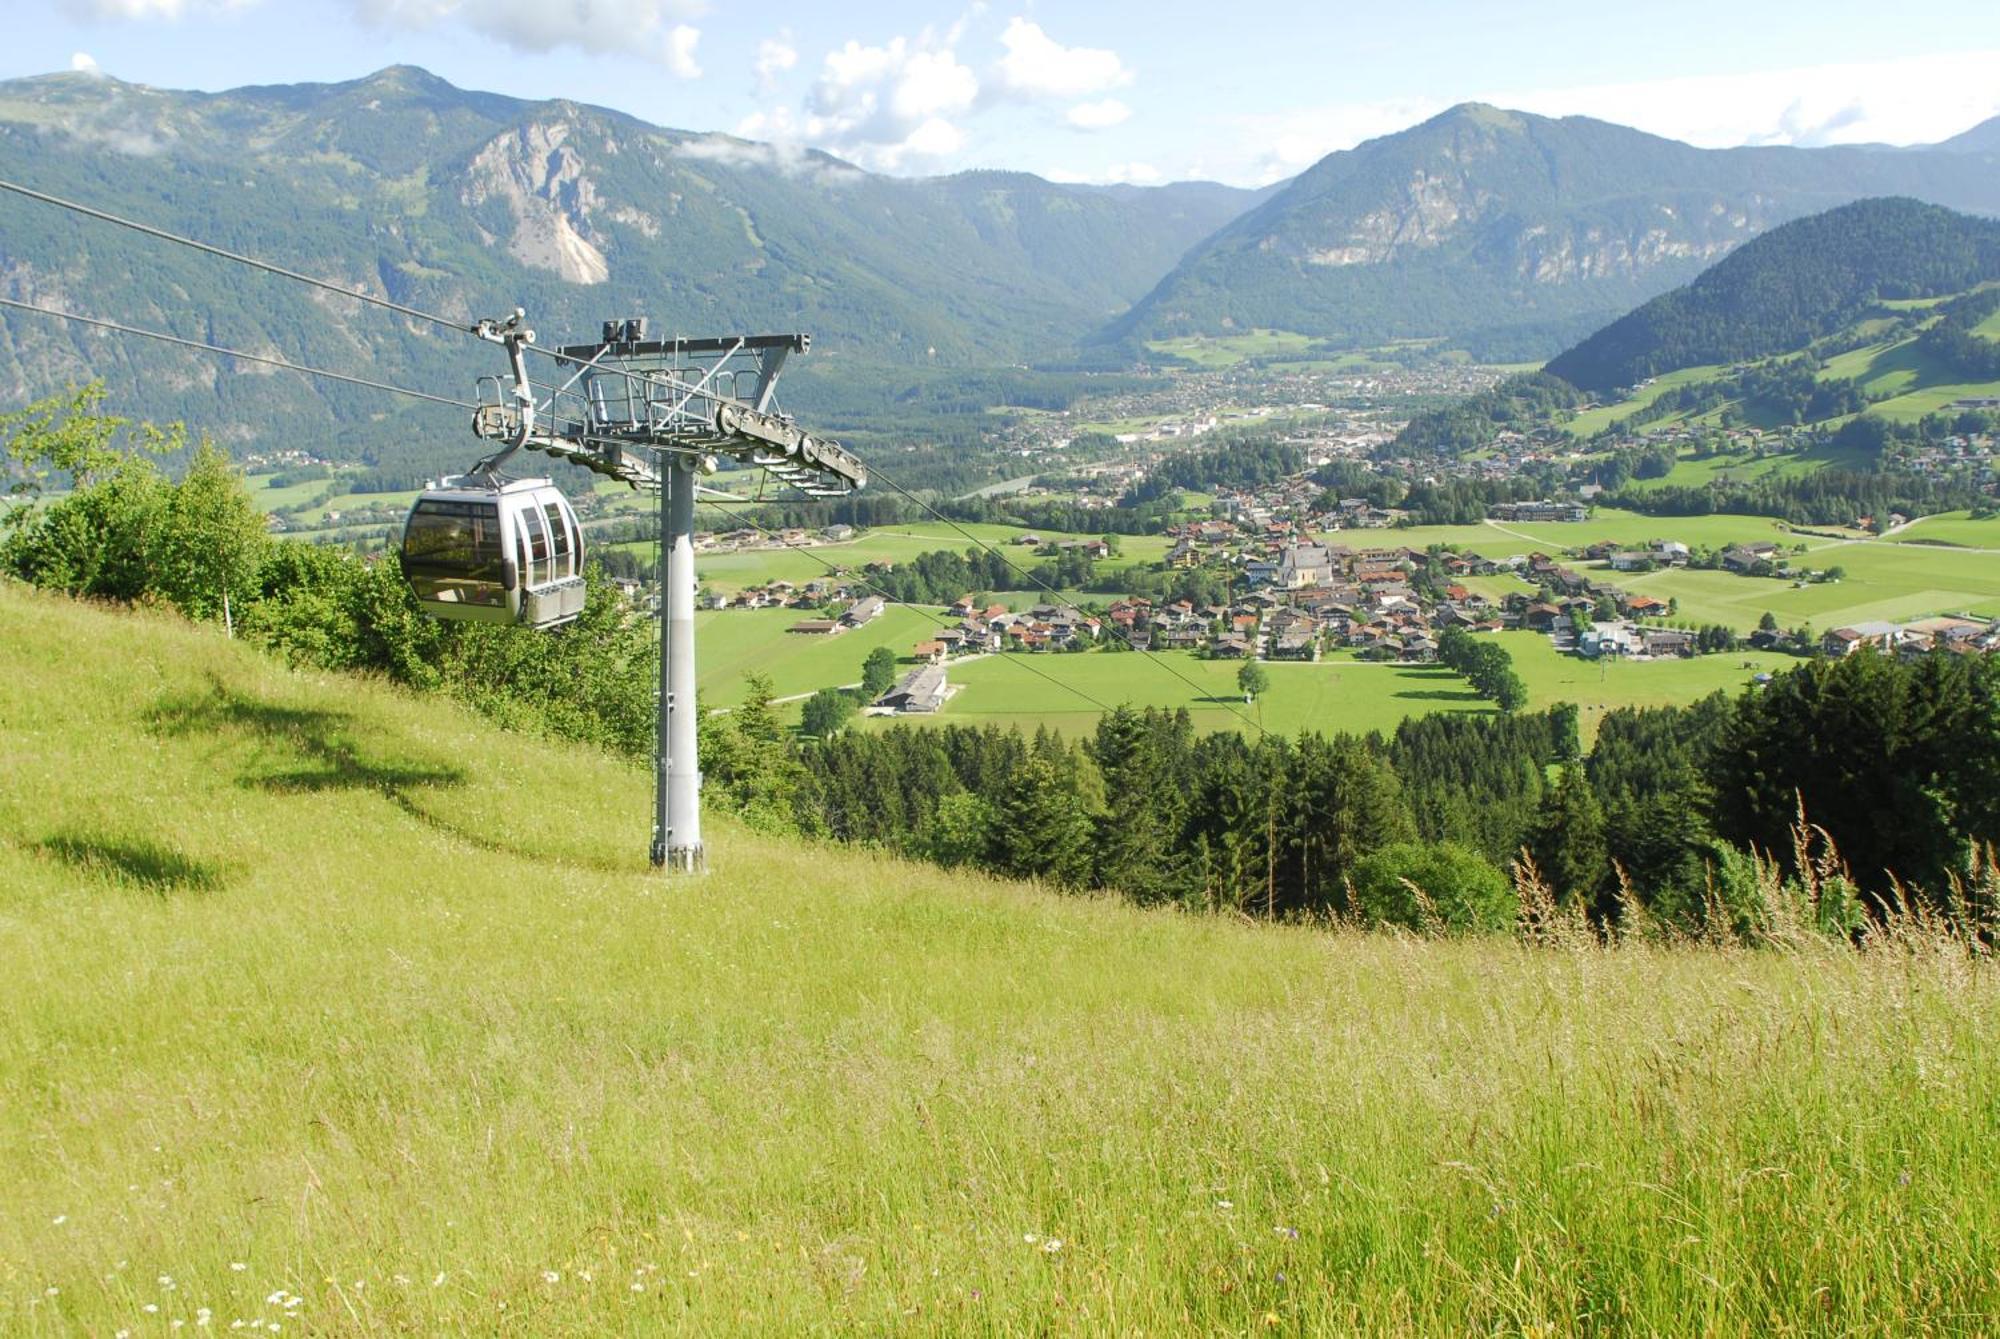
(1483,220)
(468,203)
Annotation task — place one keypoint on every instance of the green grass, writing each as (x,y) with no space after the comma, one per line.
(731,643)
(1597,687)
(1591,421)
(1335,695)
(319,988)
(271,499)
(1212,352)
(1883,581)
(901,544)
(1619,527)
(1952,527)
(1910,381)
(1339,694)
(1749,467)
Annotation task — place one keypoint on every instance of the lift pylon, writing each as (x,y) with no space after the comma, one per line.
(657,414)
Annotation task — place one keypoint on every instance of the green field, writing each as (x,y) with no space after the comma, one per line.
(731,643)
(1607,523)
(1913,382)
(1907,383)
(1952,527)
(1339,694)
(1883,581)
(1592,421)
(326,1006)
(734,571)
(1748,467)
(1211,352)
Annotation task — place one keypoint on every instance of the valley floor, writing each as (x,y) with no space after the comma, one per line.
(327,1006)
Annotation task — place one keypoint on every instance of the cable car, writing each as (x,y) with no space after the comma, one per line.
(481,550)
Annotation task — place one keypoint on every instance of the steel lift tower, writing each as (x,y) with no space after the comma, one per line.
(656,414)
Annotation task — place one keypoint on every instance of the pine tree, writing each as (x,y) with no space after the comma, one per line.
(1568,842)
(1042,832)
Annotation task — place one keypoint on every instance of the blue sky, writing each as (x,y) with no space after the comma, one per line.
(1244,92)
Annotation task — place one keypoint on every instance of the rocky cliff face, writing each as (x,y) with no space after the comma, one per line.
(541,179)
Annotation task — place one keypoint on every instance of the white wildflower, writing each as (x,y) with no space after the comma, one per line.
(551,1276)
(237,1266)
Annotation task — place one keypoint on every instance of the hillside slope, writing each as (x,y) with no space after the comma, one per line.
(1514,233)
(468,203)
(327,1005)
(1796,283)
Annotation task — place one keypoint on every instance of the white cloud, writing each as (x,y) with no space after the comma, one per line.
(84,63)
(1913,100)
(775,56)
(1100,115)
(680,51)
(885,105)
(1037,66)
(646,28)
(782,154)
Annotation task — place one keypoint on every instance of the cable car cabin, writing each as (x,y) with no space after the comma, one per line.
(507,553)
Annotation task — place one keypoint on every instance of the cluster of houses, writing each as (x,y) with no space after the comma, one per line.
(748,540)
(982,629)
(1922,637)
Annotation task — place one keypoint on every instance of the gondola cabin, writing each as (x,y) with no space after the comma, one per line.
(495,553)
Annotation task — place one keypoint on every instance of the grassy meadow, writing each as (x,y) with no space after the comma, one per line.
(328,1007)
(1338,694)
(732,572)
(731,643)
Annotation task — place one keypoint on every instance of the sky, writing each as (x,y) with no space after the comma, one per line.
(1246,92)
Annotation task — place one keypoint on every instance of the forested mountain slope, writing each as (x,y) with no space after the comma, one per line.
(1797,283)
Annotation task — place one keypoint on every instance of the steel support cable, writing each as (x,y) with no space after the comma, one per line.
(279,270)
(265,359)
(875,473)
(942,620)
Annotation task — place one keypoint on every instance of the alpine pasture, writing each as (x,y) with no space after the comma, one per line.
(328,1008)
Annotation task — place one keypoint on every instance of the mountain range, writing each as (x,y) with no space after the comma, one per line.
(470,204)
(1501,232)
(1515,234)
